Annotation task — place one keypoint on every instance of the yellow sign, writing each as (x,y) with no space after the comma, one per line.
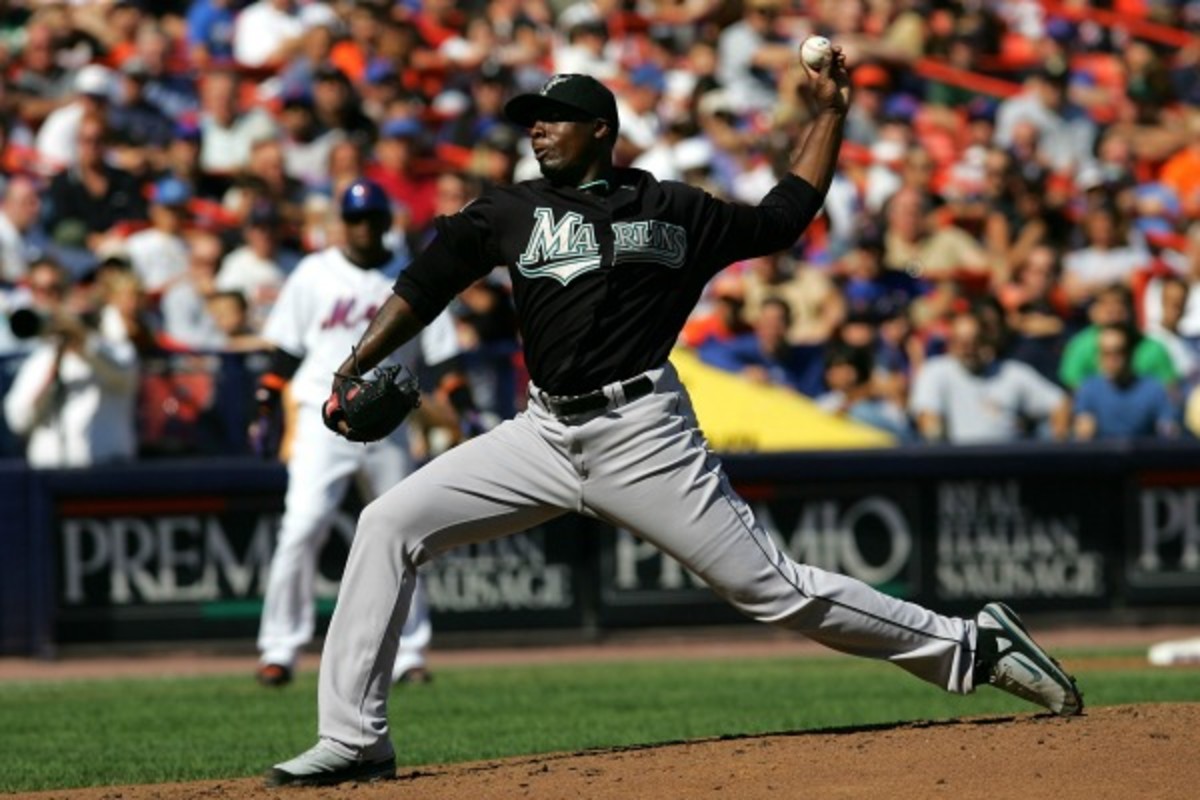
(738,416)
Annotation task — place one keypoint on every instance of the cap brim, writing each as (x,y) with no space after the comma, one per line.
(526,109)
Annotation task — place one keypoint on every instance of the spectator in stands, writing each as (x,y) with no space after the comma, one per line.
(137,125)
(584,52)
(971,395)
(488,93)
(72,399)
(210,25)
(918,242)
(265,180)
(721,316)
(751,54)
(87,200)
(396,169)
(871,83)
(1036,311)
(174,95)
(39,83)
(637,108)
(266,33)
(766,356)
(1184,350)
(1113,306)
(1066,135)
(337,105)
(257,268)
(849,371)
(1107,257)
(159,253)
(1181,172)
(185,314)
(306,144)
(815,304)
(1117,403)
(57,135)
(227,133)
(230,311)
(22,239)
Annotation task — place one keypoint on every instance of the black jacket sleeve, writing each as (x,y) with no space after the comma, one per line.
(726,232)
(462,252)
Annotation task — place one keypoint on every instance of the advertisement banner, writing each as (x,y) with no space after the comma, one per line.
(1041,543)
(195,566)
(1162,554)
(869,531)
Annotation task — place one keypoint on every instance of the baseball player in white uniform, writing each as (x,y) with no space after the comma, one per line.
(322,311)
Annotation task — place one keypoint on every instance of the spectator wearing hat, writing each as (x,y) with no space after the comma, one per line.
(1036,310)
(1066,135)
(22,238)
(55,143)
(637,106)
(721,316)
(210,25)
(871,83)
(159,254)
(227,133)
(395,167)
(257,268)
(266,33)
(91,197)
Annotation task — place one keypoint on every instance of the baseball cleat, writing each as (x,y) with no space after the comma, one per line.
(274,675)
(1007,657)
(415,675)
(320,765)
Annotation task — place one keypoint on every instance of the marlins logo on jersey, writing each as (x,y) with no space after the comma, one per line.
(566,248)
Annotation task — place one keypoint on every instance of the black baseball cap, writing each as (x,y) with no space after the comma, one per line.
(570,92)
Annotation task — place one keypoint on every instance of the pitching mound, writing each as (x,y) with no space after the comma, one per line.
(1113,752)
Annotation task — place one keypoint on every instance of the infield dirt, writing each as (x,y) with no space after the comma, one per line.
(1145,751)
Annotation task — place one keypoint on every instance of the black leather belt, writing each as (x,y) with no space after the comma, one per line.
(574,405)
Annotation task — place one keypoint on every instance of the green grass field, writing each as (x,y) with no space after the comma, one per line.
(81,733)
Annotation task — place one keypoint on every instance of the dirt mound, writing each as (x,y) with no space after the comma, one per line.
(1113,752)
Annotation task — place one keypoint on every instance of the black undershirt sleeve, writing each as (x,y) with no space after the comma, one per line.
(283,363)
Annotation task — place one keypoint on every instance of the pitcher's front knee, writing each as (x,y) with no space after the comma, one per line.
(388,532)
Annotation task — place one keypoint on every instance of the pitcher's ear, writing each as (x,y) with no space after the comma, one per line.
(604,130)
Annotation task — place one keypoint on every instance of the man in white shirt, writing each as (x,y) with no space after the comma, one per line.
(226,133)
(57,136)
(253,269)
(265,32)
(73,397)
(971,396)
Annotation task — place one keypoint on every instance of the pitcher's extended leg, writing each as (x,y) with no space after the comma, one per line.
(665,486)
(504,481)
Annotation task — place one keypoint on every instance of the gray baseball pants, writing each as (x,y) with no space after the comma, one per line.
(642,465)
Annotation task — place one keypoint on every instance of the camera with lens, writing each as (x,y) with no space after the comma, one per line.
(26,323)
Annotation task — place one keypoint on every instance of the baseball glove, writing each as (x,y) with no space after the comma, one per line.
(371,407)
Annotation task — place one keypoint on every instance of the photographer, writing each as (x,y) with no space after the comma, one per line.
(73,396)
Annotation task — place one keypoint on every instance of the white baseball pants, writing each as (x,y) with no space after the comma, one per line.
(644,466)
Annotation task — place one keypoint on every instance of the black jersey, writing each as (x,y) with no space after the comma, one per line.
(603,282)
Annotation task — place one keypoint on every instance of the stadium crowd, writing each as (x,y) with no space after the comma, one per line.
(1008,250)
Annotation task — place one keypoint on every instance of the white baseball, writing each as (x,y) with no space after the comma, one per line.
(816,52)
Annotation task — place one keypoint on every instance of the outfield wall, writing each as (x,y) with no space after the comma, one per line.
(178,550)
